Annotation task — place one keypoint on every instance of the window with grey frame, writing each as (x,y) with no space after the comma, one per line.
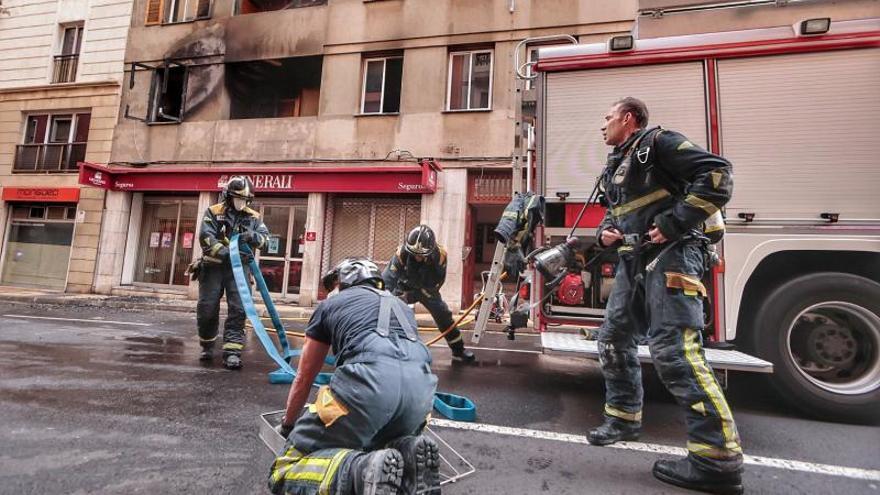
(65,64)
(53,142)
(383,77)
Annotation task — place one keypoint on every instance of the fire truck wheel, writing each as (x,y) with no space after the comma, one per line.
(822,334)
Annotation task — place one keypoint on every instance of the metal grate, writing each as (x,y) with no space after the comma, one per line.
(367,227)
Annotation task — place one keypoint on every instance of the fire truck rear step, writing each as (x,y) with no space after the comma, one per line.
(574,344)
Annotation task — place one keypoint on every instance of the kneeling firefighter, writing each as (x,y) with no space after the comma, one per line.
(362,434)
(214,270)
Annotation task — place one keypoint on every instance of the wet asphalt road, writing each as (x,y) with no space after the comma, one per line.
(108,407)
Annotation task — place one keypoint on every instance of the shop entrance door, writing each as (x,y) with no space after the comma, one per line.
(37,248)
(168,234)
(281,259)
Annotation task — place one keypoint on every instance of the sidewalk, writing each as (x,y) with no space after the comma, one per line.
(159,303)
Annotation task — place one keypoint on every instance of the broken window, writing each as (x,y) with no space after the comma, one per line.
(288,87)
(167,97)
(382,78)
(253,6)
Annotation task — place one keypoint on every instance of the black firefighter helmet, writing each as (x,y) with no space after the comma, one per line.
(238,187)
(351,272)
(421,241)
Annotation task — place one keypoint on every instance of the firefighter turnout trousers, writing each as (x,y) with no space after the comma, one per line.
(667,302)
(434,303)
(370,401)
(214,281)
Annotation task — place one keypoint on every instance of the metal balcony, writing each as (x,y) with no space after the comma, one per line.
(65,68)
(56,157)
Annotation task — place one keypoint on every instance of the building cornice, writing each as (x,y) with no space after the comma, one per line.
(60,86)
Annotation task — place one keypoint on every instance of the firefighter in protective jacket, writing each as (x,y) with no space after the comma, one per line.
(661,189)
(219,223)
(363,433)
(417,271)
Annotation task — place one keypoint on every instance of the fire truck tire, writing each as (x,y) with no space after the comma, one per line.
(822,334)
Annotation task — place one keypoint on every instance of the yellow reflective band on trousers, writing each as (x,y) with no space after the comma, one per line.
(639,202)
(331,472)
(706,381)
(293,466)
(232,346)
(701,203)
(617,413)
(712,452)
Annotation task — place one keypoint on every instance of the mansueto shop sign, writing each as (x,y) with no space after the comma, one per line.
(42,194)
(418,178)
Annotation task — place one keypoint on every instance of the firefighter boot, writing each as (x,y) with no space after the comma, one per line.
(377,473)
(614,430)
(686,474)
(232,361)
(459,353)
(207,353)
(421,465)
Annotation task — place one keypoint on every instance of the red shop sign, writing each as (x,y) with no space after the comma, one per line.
(406,179)
(42,194)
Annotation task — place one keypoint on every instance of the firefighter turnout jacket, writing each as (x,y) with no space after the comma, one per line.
(659,177)
(404,273)
(221,222)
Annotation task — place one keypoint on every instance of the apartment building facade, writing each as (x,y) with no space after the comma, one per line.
(60,74)
(355,119)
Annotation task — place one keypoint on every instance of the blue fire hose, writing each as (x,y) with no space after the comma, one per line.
(452,406)
(285,373)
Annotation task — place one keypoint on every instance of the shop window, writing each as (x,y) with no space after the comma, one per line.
(281,258)
(66,62)
(288,87)
(37,247)
(53,143)
(167,237)
(172,11)
(470,80)
(381,88)
(253,6)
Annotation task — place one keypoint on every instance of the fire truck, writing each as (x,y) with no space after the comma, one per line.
(796,109)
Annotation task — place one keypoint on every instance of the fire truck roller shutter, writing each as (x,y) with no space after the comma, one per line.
(576,105)
(801,132)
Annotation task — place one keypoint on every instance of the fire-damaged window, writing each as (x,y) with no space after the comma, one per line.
(382,78)
(171,11)
(253,6)
(167,96)
(288,87)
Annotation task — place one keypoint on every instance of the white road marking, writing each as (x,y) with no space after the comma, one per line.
(78,319)
(498,349)
(771,462)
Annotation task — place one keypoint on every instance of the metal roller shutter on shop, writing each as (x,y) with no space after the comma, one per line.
(576,105)
(801,132)
(367,227)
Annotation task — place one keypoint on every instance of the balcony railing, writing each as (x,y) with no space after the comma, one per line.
(65,68)
(56,157)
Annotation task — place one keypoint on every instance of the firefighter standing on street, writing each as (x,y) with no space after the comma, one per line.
(362,434)
(661,189)
(219,223)
(417,271)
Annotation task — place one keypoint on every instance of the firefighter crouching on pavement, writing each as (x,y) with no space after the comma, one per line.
(661,189)
(219,223)
(362,434)
(417,271)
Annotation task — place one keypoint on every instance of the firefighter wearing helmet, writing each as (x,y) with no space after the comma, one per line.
(219,223)
(416,272)
(362,435)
